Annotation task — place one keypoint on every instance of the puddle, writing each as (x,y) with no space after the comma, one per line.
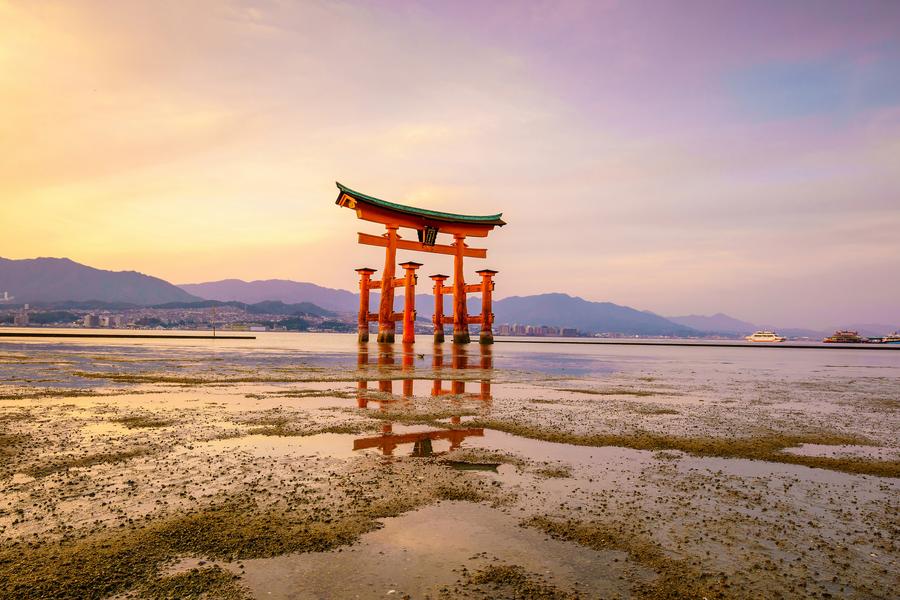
(416,554)
(873,452)
(394,439)
(335,445)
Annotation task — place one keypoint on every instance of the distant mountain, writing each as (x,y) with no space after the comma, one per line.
(558,310)
(82,305)
(60,283)
(802,332)
(562,310)
(267,307)
(290,292)
(717,323)
(46,280)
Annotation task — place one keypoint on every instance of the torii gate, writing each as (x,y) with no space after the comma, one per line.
(427,224)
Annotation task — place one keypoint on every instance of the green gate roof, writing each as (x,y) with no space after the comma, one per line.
(420,212)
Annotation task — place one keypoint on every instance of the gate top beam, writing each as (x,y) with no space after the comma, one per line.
(422,220)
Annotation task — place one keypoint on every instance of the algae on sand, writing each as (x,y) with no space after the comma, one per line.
(208,582)
(116,561)
(767,447)
(506,581)
(143,421)
(676,579)
(65,463)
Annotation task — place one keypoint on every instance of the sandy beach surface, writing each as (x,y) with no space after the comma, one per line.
(307,466)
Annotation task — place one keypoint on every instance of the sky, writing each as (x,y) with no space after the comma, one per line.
(680,157)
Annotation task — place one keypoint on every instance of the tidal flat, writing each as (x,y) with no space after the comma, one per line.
(307,466)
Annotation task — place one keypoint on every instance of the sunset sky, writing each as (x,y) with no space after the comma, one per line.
(679,157)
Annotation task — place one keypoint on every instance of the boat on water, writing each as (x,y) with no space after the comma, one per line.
(845,337)
(893,338)
(764,336)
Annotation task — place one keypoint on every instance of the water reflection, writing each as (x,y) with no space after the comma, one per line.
(444,380)
(422,441)
(459,374)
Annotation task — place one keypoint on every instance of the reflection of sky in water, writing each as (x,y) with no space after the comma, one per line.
(550,363)
(50,364)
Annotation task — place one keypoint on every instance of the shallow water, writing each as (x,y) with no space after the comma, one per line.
(146,429)
(422,551)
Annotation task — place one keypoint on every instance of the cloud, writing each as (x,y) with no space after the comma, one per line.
(675,159)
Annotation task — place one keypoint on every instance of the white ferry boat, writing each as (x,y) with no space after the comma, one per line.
(764,336)
(893,338)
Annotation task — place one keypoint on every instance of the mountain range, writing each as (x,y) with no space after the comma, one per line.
(720,323)
(283,290)
(36,280)
(562,310)
(266,307)
(554,309)
(60,280)
(717,323)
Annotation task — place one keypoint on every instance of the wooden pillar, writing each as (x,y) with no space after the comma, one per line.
(409,301)
(487,317)
(365,275)
(438,318)
(386,309)
(460,322)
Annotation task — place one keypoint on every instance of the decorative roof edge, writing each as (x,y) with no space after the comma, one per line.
(421,212)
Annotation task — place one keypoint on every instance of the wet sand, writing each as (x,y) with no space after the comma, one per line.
(306,467)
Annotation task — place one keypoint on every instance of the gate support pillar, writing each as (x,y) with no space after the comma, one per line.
(487,317)
(438,318)
(460,321)
(386,308)
(409,301)
(365,275)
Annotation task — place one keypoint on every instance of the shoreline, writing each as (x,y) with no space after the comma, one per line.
(504,340)
(803,346)
(174,336)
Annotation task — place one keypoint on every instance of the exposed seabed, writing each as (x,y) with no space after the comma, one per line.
(474,471)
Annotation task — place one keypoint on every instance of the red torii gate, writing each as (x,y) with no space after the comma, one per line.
(427,223)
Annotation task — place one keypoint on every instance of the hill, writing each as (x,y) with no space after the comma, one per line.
(717,323)
(562,310)
(282,290)
(62,282)
(46,280)
(559,310)
(267,307)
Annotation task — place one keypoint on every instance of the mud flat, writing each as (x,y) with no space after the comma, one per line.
(169,470)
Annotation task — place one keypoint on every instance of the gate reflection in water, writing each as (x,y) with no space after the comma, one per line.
(460,368)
